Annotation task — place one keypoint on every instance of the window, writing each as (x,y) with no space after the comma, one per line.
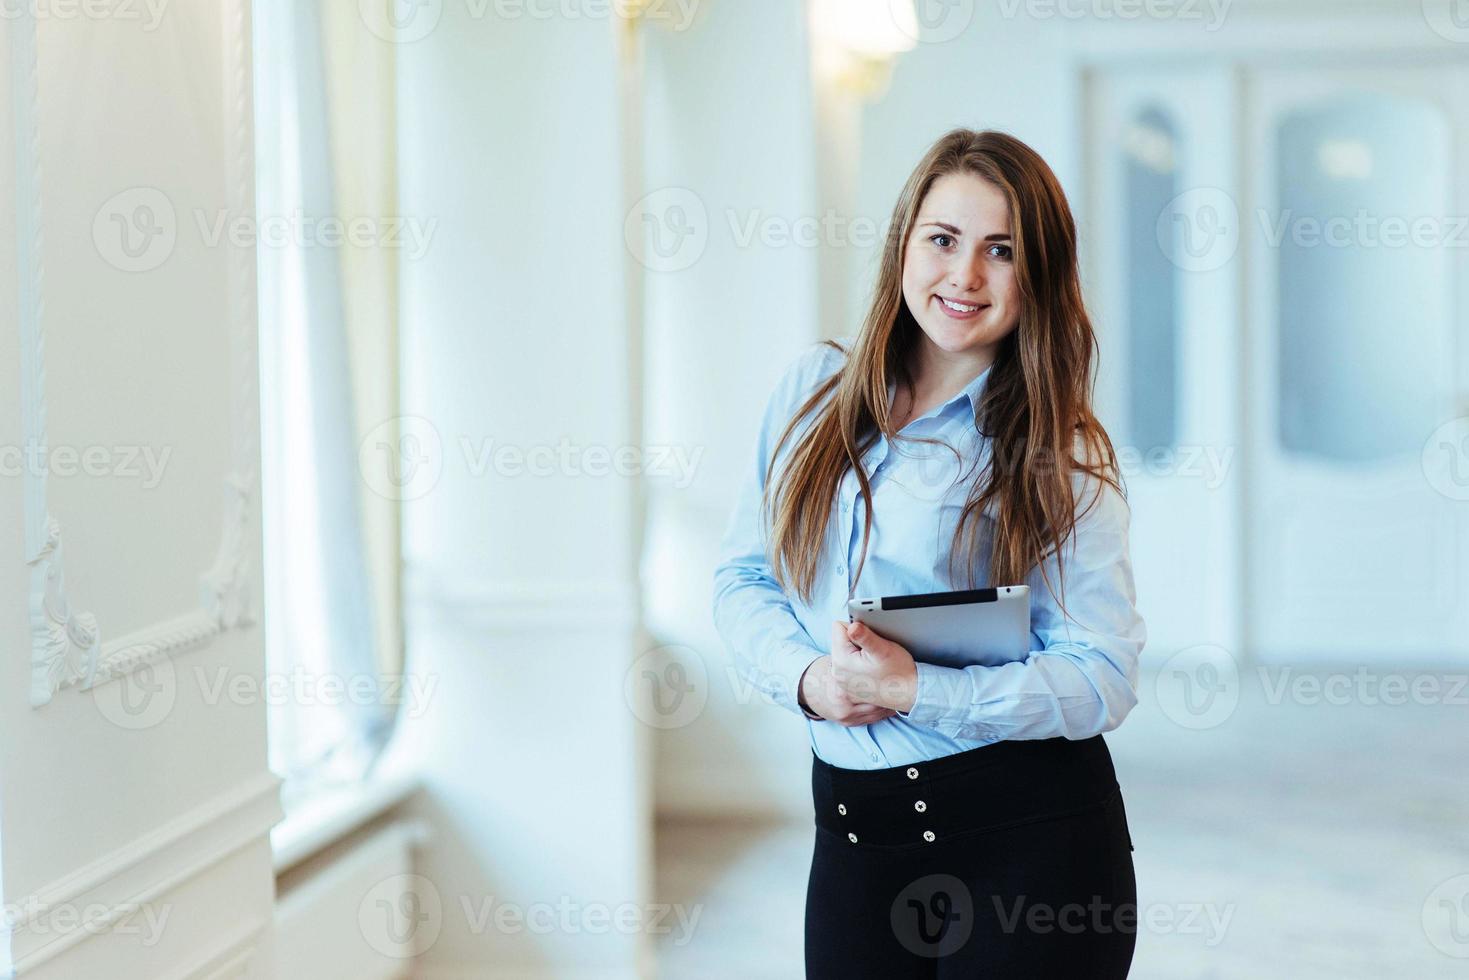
(325,646)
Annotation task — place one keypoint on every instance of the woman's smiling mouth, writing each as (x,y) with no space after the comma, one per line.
(961,311)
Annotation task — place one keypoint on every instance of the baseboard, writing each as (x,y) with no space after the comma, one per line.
(141,871)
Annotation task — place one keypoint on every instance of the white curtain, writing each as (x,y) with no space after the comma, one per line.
(327,720)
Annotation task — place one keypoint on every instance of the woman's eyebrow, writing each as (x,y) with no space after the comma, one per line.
(995,236)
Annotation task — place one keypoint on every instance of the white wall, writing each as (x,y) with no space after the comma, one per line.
(729,120)
(521,604)
(150,787)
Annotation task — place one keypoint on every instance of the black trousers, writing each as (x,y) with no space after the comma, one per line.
(1012,860)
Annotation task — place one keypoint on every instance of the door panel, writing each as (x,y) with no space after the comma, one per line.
(1353,553)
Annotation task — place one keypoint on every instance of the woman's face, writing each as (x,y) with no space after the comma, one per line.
(960,252)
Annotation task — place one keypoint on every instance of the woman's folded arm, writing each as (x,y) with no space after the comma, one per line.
(1083,678)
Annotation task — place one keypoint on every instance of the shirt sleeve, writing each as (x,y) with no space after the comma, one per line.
(1083,681)
(768,646)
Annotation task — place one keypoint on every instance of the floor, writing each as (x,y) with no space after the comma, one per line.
(1304,836)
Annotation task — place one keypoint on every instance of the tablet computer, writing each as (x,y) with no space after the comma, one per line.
(953,629)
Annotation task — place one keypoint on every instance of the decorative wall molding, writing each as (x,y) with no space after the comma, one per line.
(67,647)
(141,872)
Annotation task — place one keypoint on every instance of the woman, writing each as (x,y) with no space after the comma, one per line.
(969,821)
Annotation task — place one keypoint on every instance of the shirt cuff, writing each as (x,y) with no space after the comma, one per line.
(940,691)
(804,710)
(783,682)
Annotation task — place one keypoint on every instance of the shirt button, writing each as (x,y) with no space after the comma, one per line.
(874,757)
(912,773)
(928,836)
(920,806)
(841,569)
(842,809)
(852,838)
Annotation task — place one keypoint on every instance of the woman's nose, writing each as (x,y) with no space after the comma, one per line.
(967,275)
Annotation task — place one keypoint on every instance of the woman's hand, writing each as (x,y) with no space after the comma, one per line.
(872,669)
(823,695)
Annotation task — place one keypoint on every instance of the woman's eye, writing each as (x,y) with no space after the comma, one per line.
(947,240)
(1001,251)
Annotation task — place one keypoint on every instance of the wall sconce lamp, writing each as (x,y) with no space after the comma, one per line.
(855,42)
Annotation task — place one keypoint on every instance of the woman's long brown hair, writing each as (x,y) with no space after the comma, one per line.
(1036,406)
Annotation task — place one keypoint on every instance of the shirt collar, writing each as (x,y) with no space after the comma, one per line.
(973,391)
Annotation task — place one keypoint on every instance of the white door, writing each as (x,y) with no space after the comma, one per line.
(1357,541)
(1161,242)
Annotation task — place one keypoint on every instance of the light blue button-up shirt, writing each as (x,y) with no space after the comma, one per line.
(1080,677)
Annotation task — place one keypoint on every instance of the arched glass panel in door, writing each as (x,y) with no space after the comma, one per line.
(1150,172)
(1359,230)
